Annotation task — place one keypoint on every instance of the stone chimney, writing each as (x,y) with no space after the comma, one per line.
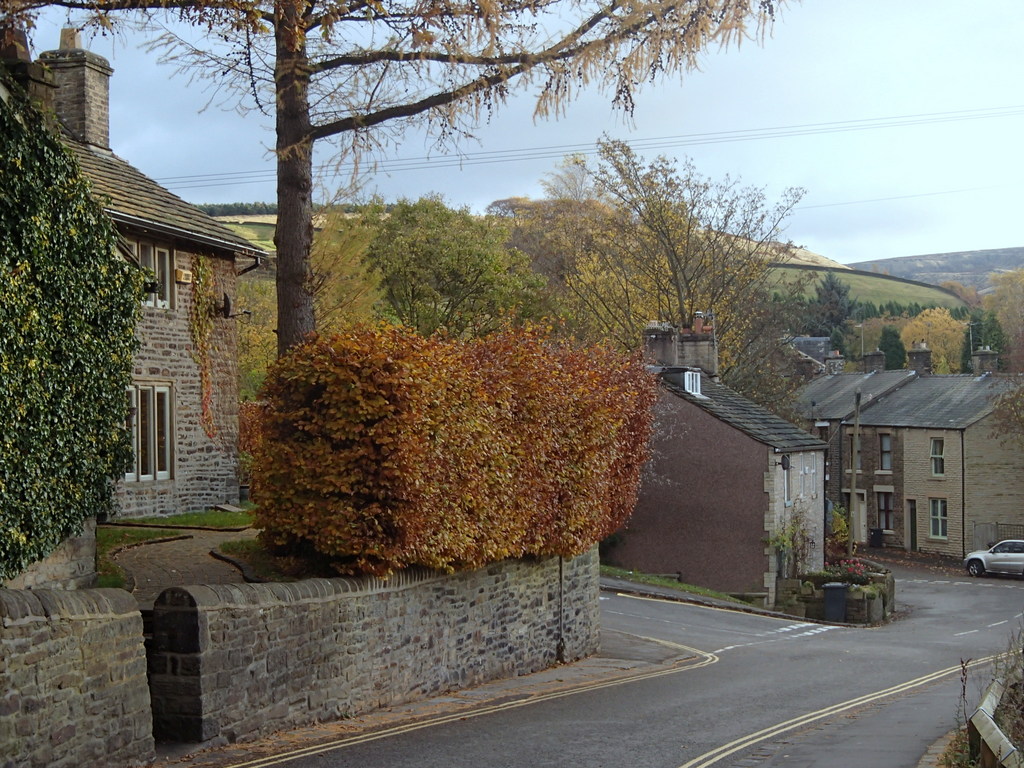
(33,77)
(697,349)
(660,344)
(919,358)
(874,361)
(984,360)
(834,363)
(82,99)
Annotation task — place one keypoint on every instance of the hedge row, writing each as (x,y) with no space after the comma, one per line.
(382,449)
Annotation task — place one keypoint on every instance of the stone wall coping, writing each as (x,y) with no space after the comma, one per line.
(211,596)
(37,605)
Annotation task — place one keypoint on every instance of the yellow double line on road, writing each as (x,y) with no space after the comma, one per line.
(720,753)
(696,660)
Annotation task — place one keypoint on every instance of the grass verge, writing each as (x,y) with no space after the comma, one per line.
(663,581)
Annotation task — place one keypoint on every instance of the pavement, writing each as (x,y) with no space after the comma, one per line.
(186,559)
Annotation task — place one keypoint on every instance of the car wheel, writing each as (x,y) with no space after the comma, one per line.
(975,568)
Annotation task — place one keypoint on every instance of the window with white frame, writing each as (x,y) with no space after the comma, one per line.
(159,262)
(938,456)
(938,518)
(151,425)
(885,452)
(856,460)
(885,514)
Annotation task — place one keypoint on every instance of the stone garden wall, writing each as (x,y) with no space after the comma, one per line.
(71,566)
(73,691)
(870,603)
(233,661)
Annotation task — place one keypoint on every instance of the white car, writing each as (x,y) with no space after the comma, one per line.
(1004,557)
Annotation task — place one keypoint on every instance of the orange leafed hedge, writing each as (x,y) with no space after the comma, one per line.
(382,449)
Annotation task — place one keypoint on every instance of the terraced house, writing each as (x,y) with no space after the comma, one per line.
(929,474)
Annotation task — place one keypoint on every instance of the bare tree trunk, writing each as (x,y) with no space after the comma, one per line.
(294,235)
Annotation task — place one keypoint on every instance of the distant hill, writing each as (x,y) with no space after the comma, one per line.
(970,268)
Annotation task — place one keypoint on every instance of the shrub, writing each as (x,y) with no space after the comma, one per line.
(68,309)
(383,449)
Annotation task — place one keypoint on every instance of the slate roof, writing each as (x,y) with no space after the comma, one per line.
(833,396)
(731,407)
(937,402)
(129,197)
(817,347)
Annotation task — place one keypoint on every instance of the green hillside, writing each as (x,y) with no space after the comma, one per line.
(880,289)
(259,233)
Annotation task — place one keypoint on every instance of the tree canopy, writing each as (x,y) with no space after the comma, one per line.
(445,269)
(362,72)
(658,241)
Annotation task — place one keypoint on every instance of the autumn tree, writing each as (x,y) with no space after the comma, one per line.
(360,73)
(968,293)
(1007,303)
(346,288)
(941,332)
(659,241)
(345,292)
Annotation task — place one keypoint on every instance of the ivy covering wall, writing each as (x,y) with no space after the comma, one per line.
(68,309)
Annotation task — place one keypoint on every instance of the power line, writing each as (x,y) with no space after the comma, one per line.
(426,162)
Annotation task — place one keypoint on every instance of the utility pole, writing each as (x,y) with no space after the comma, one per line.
(853,470)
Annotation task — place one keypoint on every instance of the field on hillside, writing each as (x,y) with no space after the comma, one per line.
(259,233)
(880,289)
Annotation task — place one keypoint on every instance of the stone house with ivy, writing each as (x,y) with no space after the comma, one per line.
(183,402)
(727,484)
(928,473)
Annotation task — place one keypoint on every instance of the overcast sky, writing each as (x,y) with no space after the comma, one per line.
(902,119)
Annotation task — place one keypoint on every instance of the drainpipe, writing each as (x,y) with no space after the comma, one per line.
(560,646)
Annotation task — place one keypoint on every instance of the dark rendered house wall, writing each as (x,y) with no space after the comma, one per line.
(702,504)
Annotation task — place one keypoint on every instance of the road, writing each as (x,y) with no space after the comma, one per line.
(749,690)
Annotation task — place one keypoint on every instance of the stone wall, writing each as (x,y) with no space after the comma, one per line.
(73,680)
(233,661)
(71,566)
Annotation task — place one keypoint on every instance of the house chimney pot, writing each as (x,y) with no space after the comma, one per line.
(874,361)
(660,344)
(82,99)
(984,360)
(834,363)
(920,358)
